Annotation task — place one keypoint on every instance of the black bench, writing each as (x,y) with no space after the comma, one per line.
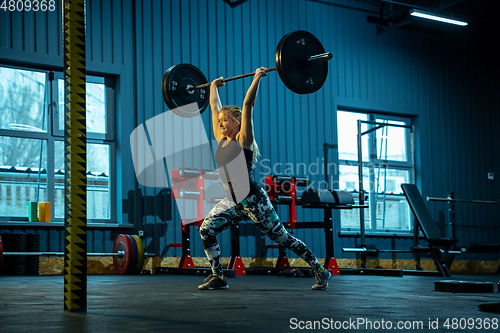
(440,249)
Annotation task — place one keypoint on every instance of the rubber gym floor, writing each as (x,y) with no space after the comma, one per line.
(253,303)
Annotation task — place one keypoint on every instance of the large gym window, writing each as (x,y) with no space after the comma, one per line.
(386,150)
(32,143)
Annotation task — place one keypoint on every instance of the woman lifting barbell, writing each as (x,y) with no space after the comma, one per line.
(233,129)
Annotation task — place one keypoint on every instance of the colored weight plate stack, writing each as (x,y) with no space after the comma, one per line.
(133,260)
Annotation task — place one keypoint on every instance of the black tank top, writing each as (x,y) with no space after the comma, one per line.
(231,170)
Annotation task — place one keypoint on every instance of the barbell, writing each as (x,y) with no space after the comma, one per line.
(301,62)
(373,251)
(128,254)
(449,199)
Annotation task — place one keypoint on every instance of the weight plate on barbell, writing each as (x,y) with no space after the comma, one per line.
(174,86)
(141,252)
(133,264)
(295,71)
(123,243)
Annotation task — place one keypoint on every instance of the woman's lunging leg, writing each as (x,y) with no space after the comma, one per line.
(220,218)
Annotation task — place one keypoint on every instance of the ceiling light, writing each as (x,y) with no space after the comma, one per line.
(435,17)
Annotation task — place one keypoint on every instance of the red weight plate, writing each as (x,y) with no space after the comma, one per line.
(123,264)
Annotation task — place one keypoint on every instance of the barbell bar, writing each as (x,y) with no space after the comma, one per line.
(377,251)
(462,200)
(365,250)
(120,254)
(315,59)
(128,254)
(301,62)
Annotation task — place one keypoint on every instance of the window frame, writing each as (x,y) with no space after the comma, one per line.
(371,226)
(109,95)
(52,134)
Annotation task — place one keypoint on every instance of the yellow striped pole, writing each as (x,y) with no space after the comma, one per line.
(75,150)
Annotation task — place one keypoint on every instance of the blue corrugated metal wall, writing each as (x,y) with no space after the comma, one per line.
(444,82)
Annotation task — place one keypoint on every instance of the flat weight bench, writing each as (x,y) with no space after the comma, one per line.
(439,248)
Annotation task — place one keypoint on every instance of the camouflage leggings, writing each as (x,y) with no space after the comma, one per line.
(259,209)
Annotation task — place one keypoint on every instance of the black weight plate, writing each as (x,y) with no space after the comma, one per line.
(174,83)
(296,73)
(455,286)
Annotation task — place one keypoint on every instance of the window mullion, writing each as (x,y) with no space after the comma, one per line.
(24,134)
(50,176)
(372,195)
(112,182)
(50,147)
